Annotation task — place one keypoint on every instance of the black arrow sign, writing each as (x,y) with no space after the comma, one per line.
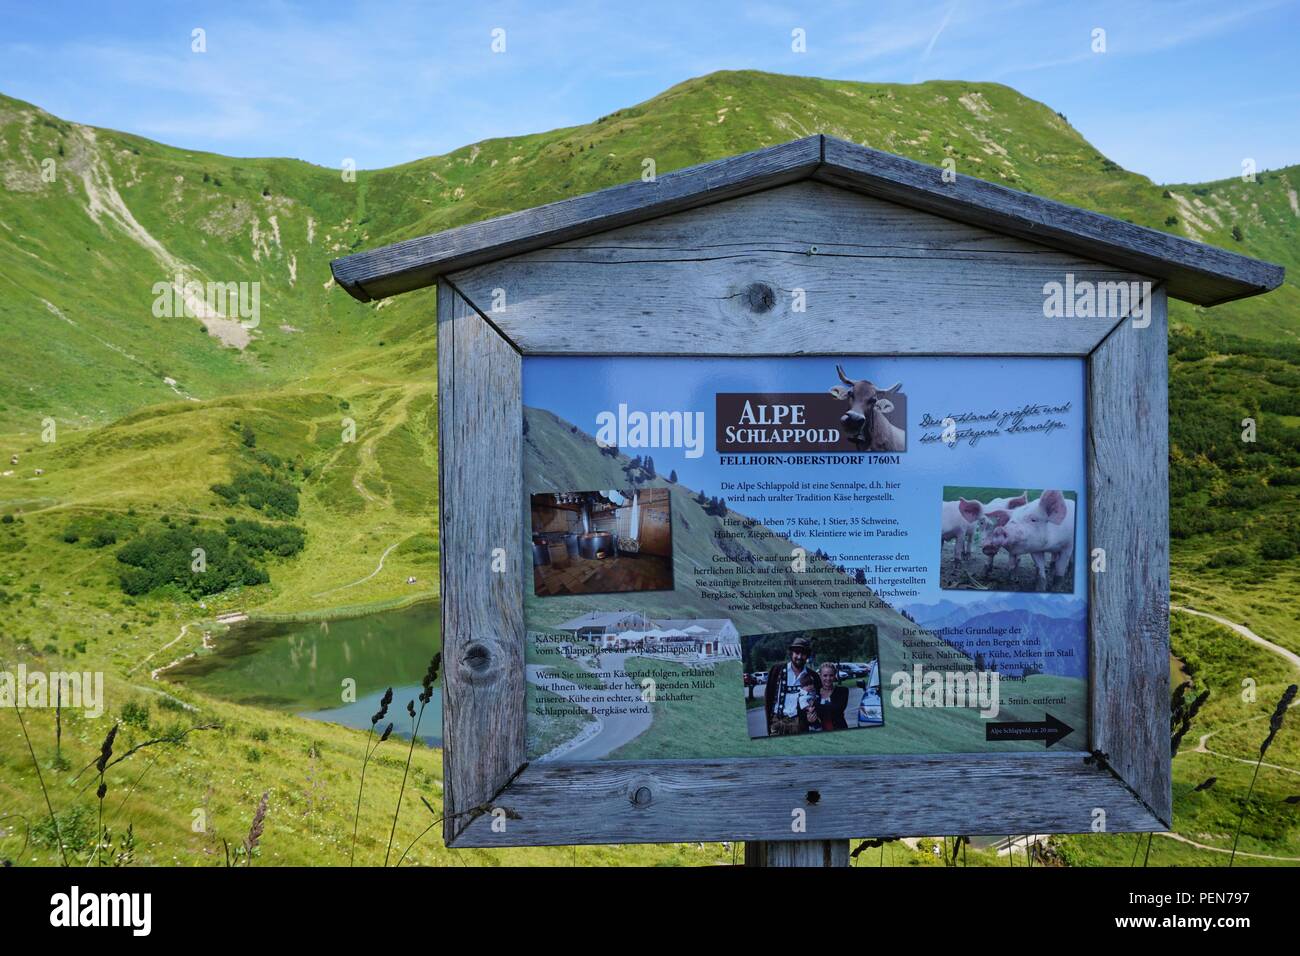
(1050,730)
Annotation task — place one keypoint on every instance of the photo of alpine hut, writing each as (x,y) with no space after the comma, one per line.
(602,542)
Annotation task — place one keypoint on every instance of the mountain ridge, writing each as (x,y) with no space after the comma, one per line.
(85,250)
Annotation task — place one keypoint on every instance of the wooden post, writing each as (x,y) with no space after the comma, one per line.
(797,853)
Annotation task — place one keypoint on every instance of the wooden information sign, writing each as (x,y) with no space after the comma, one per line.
(809,494)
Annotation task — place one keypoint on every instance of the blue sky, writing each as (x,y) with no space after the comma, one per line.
(1184,91)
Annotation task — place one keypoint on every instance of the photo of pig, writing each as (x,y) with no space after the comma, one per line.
(985,534)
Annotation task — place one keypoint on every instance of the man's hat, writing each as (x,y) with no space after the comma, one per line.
(801,642)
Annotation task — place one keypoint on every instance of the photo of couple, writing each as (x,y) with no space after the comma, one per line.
(812,681)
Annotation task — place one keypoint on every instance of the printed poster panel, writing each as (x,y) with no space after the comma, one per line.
(745,557)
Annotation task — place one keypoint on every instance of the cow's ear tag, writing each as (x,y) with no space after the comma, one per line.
(839,391)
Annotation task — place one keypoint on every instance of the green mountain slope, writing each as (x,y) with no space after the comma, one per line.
(132,416)
(91,220)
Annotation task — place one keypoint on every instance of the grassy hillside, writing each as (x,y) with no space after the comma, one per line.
(132,417)
(119,213)
(1235,504)
(1265,214)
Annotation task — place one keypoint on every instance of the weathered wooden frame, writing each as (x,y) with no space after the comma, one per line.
(487,777)
(724,246)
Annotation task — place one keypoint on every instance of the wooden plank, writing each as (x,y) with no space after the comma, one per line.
(803,853)
(558,803)
(1193,271)
(481,509)
(418,262)
(1128,485)
(732,278)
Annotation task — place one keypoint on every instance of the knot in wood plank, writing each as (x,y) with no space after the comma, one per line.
(759,297)
(640,792)
(479,662)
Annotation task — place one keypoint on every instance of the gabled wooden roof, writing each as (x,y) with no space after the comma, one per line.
(1191,270)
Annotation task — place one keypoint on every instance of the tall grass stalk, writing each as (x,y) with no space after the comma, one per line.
(41,780)
(1274,725)
(426,695)
(436,820)
(105,753)
(255,831)
(365,760)
(131,790)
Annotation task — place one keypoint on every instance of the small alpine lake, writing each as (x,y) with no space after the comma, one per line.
(300,667)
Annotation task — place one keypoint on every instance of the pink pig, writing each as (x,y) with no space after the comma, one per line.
(1040,528)
(986,524)
(958,523)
